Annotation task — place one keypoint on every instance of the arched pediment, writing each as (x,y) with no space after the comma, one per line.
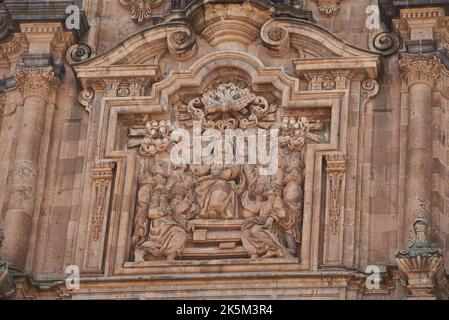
(218,24)
(319,48)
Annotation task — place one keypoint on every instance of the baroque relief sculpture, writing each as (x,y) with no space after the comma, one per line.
(328,7)
(173,199)
(140,9)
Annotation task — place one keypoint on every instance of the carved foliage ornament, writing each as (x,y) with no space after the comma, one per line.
(141,9)
(328,7)
(101,177)
(336,168)
(228,107)
(420,68)
(156,138)
(36,81)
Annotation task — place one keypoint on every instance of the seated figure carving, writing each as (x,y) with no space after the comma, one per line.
(217,192)
(262,236)
(167,237)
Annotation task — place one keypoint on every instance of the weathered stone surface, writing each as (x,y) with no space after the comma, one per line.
(93,173)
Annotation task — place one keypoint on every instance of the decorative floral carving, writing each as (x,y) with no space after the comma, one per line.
(228,107)
(101,177)
(140,9)
(294,133)
(36,82)
(276,33)
(420,68)
(328,7)
(123,91)
(182,44)
(327,80)
(180,37)
(136,87)
(156,137)
(336,168)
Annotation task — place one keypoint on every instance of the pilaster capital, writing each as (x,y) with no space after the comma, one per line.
(35,81)
(420,68)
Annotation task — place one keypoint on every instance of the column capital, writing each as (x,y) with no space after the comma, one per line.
(420,68)
(35,81)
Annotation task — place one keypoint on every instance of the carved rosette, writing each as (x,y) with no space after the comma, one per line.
(335,169)
(101,178)
(38,82)
(421,267)
(182,44)
(420,68)
(328,7)
(275,38)
(156,138)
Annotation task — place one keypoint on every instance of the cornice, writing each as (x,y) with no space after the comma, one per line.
(390,9)
(19,11)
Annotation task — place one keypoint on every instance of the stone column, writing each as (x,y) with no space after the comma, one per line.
(36,86)
(421,72)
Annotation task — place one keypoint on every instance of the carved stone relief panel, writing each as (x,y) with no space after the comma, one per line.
(219,210)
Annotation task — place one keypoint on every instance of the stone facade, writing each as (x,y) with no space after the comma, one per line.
(90,118)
